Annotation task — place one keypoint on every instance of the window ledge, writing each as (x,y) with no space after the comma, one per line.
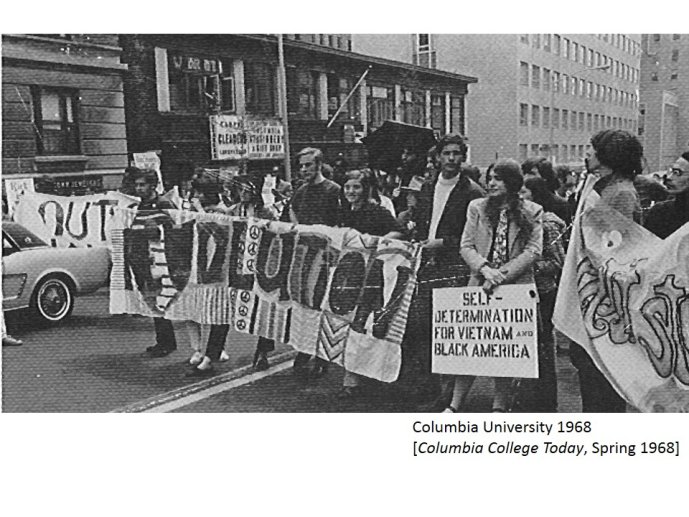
(61,158)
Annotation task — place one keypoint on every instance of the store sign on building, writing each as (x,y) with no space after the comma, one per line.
(235,138)
(195,65)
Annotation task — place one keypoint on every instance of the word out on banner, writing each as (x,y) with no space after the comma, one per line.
(71,221)
(329,292)
(485,334)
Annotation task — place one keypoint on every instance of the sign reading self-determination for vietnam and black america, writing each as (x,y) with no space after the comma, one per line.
(491,335)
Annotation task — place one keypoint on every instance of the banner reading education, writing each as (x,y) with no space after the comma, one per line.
(329,292)
(71,221)
(624,297)
(485,334)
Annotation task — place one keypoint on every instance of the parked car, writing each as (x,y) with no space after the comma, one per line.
(44,279)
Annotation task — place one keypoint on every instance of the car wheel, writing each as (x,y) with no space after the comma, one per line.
(53,299)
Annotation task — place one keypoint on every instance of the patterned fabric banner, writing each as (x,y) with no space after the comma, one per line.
(624,297)
(71,221)
(330,292)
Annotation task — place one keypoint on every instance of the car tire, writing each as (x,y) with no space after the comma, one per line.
(53,299)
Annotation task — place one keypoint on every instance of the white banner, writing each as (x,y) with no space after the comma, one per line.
(74,221)
(235,138)
(624,297)
(491,335)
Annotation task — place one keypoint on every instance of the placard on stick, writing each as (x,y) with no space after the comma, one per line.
(491,335)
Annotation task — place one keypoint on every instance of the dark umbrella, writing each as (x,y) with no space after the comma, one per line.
(385,144)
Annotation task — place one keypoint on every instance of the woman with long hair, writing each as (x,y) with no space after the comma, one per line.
(365,215)
(547,272)
(501,242)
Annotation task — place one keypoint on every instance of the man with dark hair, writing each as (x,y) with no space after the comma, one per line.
(543,168)
(317,201)
(664,218)
(439,221)
(144,182)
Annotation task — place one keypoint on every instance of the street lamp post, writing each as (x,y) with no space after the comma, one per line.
(551,140)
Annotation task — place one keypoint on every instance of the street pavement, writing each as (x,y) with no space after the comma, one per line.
(95,362)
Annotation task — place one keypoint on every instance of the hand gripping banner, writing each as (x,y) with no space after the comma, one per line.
(624,297)
(331,292)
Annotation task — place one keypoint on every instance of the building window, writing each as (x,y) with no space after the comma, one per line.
(565,119)
(200,85)
(338,89)
(581,121)
(556,81)
(589,122)
(535,116)
(573,120)
(546,42)
(56,121)
(546,79)
(582,87)
(534,150)
(642,119)
(259,88)
(438,113)
(524,38)
(589,57)
(565,48)
(523,152)
(673,75)
(424,54)
(573,85)
(675,36)
(535,76)
(656,37)
(556,44)
(556,118)
(675,55)
(523,114)
(596,122)
(524,73)
(414,107)
(536,40)
(565,84)
(573,152)
(457,114)
(302,93)
(380,105)
(546,117)
(654,76)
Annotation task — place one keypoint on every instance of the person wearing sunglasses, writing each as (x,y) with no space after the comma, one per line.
(664,218)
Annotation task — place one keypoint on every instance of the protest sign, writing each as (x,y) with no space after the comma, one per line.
(15,188)
(329,292)
(492,335)
(71,221)
(624,297)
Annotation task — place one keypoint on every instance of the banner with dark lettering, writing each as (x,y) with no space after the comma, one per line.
(485,334)
(330,292)
(624,297)
(71,221)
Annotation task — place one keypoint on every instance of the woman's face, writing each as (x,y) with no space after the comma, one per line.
(245,195)
(496,187)
(354,191)
(526,194)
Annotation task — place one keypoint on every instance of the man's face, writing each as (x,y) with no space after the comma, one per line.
(408,156)
(142,188)
(678,177)
(592,164)
(450,159)
(309,169)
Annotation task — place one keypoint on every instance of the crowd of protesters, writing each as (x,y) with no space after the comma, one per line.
(509,224)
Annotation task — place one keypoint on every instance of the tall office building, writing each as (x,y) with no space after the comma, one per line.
(664,98)
(538,94)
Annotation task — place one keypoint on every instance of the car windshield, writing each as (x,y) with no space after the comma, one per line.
(23,237)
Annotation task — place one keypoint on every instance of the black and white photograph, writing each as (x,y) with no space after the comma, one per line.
(455,231)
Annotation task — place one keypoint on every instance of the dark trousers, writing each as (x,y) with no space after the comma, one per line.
(540,395)
(165,334)
(597,394)
(265,345)
(216,341)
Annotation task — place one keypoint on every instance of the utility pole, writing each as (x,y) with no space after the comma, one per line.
(282,79)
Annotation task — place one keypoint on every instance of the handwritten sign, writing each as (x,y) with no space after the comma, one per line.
(15,188)
(491,335)
(150,160)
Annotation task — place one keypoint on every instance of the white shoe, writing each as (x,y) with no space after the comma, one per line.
(196,358)
(224,356)
(205,363)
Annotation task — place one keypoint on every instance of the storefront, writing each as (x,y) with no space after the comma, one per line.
(213,101)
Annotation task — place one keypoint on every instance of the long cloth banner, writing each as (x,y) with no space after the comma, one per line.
(329,292)
(71,221)
(624,297)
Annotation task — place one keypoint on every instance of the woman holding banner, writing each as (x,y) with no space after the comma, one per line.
(501,242)
(363,213)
